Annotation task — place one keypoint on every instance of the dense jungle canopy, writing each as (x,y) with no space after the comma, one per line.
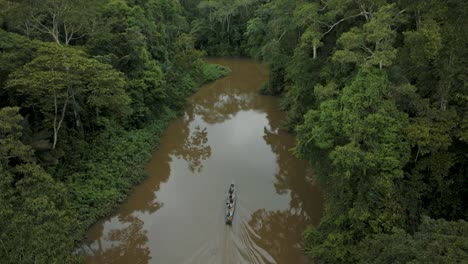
(375,91)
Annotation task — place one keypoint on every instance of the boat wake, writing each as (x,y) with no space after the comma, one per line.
(233,244)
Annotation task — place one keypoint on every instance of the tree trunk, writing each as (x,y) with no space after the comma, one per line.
(58,125)
(315,51)
(55,121)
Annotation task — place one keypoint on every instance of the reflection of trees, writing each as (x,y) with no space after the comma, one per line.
(216,103)
(126,242)
(127,245)
(184,141)
(293,175)
(146,200)
(278,232)
(195,149)
(222,99)
(217,108)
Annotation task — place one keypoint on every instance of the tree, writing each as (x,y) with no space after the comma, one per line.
(63,21)
(373,43)
(60,78)
(34,225)
(272,36)
(436,241)
(307,16)
(362,132)
(222,30)
(16,51)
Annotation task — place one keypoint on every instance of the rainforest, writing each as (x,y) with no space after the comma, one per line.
(342,122)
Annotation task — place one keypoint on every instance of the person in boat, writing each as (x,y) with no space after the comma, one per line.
(229,206)
(231,189)
(230,199)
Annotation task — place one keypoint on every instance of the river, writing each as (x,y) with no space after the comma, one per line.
(228,133)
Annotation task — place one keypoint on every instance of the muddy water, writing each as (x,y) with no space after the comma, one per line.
(228,133)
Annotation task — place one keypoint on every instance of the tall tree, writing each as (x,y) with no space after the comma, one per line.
(62,21)
(362,131)
(62,78)
(373,43)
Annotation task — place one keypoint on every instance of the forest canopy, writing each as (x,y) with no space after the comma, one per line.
(375,91)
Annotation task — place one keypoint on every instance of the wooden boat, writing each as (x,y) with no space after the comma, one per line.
(230,204)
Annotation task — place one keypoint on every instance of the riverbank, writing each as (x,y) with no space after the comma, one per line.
(103,172)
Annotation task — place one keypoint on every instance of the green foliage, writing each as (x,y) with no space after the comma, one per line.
(436,241)
(35,226)
(149,43)
(372,44)
(11,132)
(272,36)
(375,90)
(219,25)
(59,78)
(15,51)
(214,71)
(362,132)
(100,174)
(62,21)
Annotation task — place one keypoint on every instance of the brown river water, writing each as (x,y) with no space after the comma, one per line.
(228,133)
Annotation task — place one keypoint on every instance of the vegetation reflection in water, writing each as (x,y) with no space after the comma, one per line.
(228,132)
